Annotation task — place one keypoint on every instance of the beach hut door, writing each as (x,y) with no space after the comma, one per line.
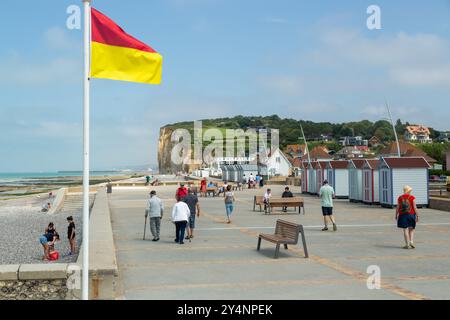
(384,186)
(367,184)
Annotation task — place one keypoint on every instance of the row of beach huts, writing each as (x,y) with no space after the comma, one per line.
(370,181)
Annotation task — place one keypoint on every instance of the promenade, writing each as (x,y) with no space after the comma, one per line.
(221,262)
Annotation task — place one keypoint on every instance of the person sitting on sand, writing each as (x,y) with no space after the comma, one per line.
(46,207)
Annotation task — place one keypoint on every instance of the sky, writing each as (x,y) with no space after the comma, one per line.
(310,60)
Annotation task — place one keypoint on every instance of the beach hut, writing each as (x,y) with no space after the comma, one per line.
(321,173)
(337,174)
(312,184)
(225,173)
(248,169)
(355,189)
(304,176)
(371,192)
(396,172)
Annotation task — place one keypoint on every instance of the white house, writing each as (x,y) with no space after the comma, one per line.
(418,133)
(337,173)
(395,173)
(278,164)
(355,177)
(371,185)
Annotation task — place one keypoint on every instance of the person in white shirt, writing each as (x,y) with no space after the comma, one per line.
(180,216)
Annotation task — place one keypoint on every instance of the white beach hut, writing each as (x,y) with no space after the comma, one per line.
(312,184)
(304,176)
(371,185)
(355,189)
(396,172)
(337,174)
(321,173)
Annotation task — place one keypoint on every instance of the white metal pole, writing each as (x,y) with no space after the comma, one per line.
(395,131)
(86,100)
(306,144)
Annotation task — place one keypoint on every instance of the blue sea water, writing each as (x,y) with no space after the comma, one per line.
(14,177)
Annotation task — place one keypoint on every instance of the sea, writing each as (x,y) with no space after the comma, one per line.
(17,177)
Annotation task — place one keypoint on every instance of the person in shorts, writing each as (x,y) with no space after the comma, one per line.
(194,207)
(326,194)
(71,235)
(407,216)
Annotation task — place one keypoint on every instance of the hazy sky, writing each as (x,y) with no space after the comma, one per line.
(312,60)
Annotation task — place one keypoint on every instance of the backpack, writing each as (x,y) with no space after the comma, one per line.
(404,205)
(229,198)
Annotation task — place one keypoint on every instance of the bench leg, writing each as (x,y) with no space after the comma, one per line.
(254,204)
(285,246)
(305,249)
(277,250)
(259,244)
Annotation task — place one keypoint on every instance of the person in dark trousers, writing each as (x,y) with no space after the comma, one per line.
(155,210)
(71,235)
(194,207)
(180,216)
(286,194)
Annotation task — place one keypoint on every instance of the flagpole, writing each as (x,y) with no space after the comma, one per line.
(86,106)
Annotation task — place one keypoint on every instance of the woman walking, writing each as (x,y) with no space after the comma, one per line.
(229,203)
(180,216)
(407,216)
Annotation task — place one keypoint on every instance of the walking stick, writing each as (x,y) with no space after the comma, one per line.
(145,226)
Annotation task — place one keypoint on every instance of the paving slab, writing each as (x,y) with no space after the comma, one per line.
(221,262)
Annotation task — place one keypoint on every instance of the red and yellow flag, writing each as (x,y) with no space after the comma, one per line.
(118,56)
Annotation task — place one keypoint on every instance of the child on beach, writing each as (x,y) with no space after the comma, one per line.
(71,235)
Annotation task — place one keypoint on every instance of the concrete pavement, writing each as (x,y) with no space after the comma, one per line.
(221,262)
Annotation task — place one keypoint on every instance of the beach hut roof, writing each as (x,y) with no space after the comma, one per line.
(323,164)
(338,164)
(357,163)
(373,163)
(417,162)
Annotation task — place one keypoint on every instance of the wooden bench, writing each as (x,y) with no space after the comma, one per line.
(258,201)
(212,190)
(285,233)
(294,202)
(278,202)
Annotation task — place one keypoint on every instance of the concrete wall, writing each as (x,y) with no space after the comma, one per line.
(440,204)
(35,282)
(103,271)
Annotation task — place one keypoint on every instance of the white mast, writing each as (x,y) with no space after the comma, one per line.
(393,128)
(306,144)
(86,101)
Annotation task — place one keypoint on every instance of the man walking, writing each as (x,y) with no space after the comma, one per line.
(155,212)
(194,207)
(326,194)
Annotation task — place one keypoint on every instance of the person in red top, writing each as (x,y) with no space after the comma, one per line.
(407,215)
(203,187)
(182,192)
